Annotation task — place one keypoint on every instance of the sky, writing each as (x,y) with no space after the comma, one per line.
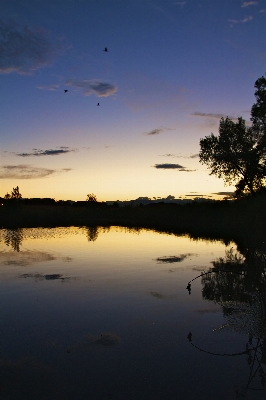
(172,70)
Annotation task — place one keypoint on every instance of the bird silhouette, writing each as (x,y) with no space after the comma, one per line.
(105,49)
(98,104)
(65,90)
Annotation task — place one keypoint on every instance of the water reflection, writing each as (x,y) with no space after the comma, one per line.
(125,326)
(174,259)
(47,277)
(237,283)
(26,378)
(92,233)
(13,238)
(91,342)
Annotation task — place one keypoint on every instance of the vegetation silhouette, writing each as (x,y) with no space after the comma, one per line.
(242,221)
(13,198)
(237,283)
(238,153)
(92,233)
(91,196)
(13,238)
(15,194)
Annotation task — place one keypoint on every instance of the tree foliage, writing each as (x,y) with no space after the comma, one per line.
(91,197)
(238,153)
(15,194)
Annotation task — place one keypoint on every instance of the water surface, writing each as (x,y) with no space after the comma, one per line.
(97,313)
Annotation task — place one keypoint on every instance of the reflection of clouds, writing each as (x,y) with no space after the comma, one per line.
(174,259)
(66,259)
(106,339)
(27,379)
(200,269)
(24,258)
(47,277)
(208,310)
(161,296)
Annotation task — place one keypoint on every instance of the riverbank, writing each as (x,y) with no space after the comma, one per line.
(221,219)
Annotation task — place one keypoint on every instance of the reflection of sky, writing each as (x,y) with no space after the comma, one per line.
(124,318)
(117,259)
(172,70)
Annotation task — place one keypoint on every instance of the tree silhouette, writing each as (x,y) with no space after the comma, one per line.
(91,197)
(15,194)
(237,283)
(238,153)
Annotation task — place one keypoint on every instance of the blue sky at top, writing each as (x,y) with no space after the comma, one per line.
(173,69)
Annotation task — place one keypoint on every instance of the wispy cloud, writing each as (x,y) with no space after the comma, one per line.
(215,116)
(24,50)
(173,166)
(179,155)
(249,3)
(37,152)
(263,10)
(242,21)
(193,195)
(88,87)
(51,87)
(26,171)
(168,155)
(180,3)
(224,193)
(194,156)
(157,131)
(208,115)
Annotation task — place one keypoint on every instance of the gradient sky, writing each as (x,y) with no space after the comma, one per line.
(172,70)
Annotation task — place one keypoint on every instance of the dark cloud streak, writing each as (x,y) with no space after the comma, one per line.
(100,89)
(25,171)
(172,166)
(157,131)
(208,115)
(38,153)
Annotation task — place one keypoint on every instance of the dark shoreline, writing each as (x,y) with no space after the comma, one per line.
(227,221)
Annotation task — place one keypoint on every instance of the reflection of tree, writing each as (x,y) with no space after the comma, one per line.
(237,283)
(13,238)
(92,233)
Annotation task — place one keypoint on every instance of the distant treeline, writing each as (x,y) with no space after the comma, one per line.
(223,219)
(139,201)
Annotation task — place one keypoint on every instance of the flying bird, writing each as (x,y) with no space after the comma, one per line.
(98,104)
(65,90)
(105,49)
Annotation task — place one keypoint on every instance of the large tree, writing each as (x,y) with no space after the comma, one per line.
(238,153)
